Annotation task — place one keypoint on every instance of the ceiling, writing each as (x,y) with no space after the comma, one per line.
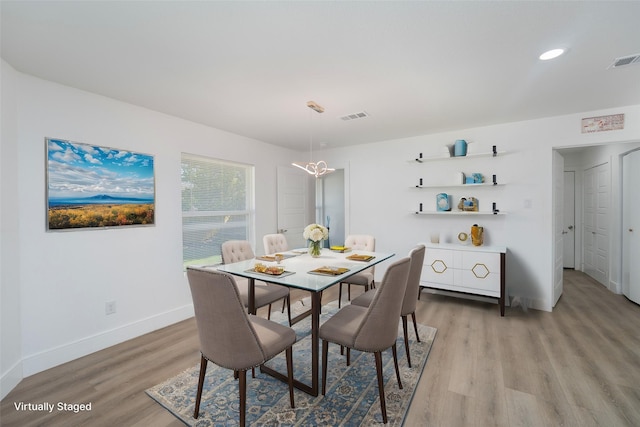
(416,67)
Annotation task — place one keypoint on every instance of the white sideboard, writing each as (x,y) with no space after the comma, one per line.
(477,270)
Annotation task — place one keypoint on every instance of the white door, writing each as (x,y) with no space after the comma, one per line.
(293,203)
(597,189)
(569,221)
(631,226)
(557,224)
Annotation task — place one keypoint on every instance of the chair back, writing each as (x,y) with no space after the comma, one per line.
(236,250)
(227,337)
(362,242)
(275,243)
(379,328)
(413,282)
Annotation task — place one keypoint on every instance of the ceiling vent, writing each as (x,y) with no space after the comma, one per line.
(625,60)
(353,116)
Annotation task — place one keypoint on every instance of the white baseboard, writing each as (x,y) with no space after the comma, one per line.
(615,287)
(10,379)
(34,363)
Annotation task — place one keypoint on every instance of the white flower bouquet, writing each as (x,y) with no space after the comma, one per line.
(315,233)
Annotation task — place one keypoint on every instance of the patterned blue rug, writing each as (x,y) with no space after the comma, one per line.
(351,398)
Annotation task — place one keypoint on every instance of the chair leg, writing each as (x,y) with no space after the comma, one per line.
(348,291)
(325,351)
(284,302)
(406,339)
(288,299)
(395,362)
(289,354)
(269,313)
(348,356)
(383,404)
(339,294)
(415,325)
(203,371)
(243,397)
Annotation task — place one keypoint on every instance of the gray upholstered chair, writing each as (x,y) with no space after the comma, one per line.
(416,255)
(275,243)
(265,294)
(370,329)
(231,338)
(365,278)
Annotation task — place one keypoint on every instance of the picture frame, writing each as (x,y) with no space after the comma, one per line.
(91,187)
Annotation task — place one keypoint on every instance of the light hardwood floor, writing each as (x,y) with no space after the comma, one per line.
(577,366)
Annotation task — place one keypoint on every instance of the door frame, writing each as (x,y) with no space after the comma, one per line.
(573,231)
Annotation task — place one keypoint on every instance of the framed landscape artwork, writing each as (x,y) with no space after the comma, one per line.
(90,186)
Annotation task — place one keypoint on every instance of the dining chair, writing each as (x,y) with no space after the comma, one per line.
(365,278)
(265,294)
(231,338)
(370,329)
(410,300)
(275,243)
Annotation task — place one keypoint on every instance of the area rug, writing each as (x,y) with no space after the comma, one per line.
(351,398)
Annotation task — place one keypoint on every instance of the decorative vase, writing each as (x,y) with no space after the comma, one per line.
(477,233)
(460,148)
(314,249)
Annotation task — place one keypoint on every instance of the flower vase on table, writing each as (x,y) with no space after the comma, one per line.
(314,249)
(315,234)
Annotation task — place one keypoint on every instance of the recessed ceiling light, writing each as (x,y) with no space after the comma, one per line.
(550,54)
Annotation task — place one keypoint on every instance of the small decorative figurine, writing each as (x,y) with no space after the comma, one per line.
(468,204)
(443,202)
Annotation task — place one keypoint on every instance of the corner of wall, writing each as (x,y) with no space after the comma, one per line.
(10,379)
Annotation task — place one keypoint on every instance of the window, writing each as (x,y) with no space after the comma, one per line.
(217,205)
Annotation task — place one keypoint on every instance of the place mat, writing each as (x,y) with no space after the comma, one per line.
(283,274)
(356,257)
(329,271)
(340,249)
(272,258)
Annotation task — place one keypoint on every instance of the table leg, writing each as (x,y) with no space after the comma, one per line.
(315,351)
(316,298)
(252,296)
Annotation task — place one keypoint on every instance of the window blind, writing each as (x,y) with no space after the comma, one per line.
(217,205)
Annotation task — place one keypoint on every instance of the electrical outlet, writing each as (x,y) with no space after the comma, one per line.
(109,307)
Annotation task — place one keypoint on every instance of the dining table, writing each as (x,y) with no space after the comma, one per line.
(299,270)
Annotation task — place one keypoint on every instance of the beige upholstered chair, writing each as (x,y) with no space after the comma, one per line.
(231,338)
(265,294)
(416,255)
(275,243)
(370,329)
(364,278)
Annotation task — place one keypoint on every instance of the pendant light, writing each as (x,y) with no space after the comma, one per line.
(320,167)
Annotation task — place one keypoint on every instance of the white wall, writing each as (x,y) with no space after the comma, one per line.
(382,198)
(10,324)
(55,284)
